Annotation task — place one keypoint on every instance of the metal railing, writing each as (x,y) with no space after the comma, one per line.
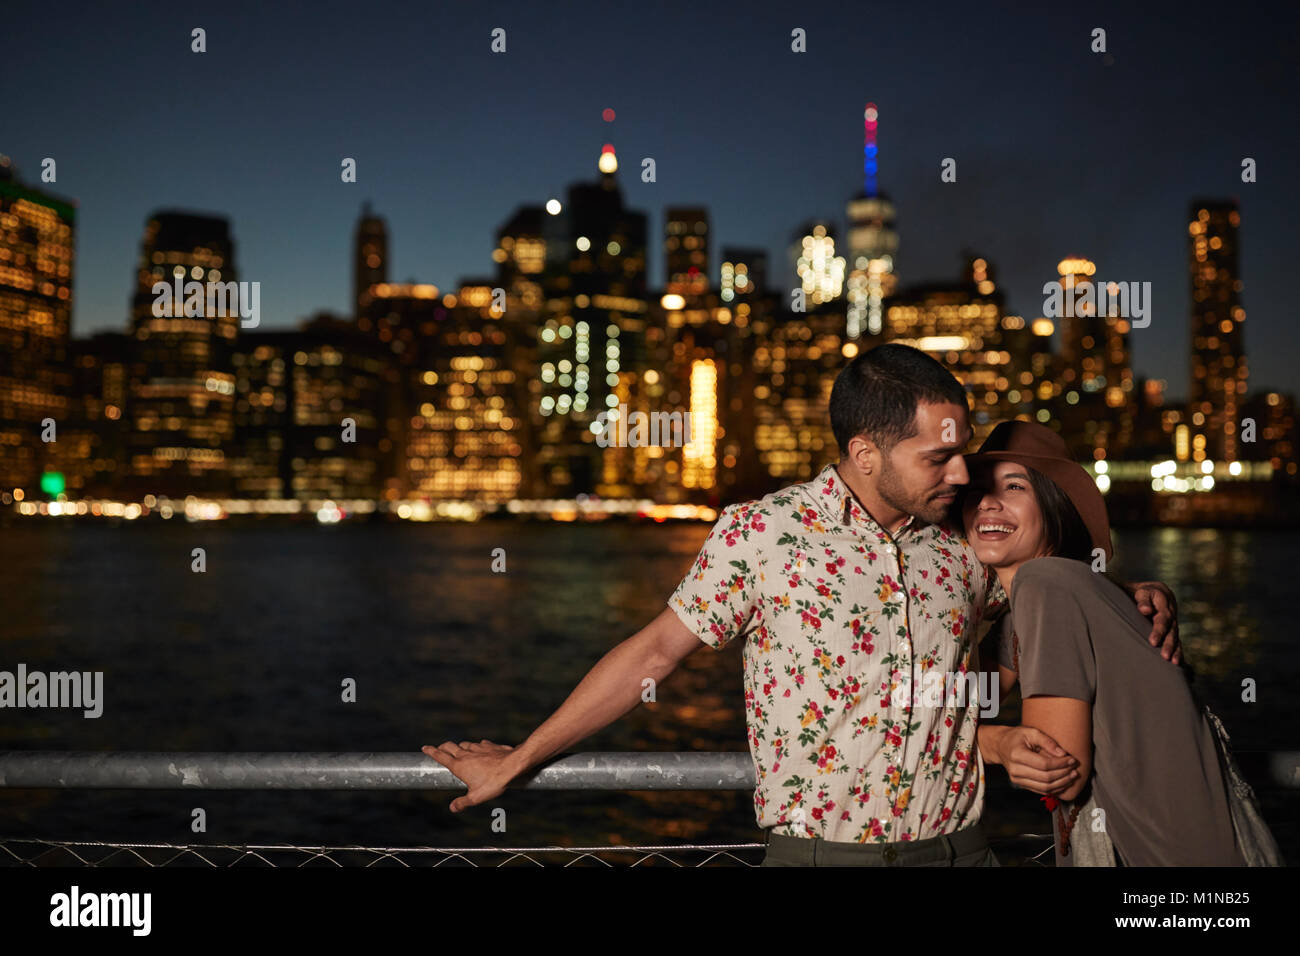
(361,771)
(415,771)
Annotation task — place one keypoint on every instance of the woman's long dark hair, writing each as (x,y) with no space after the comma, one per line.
(1067,535)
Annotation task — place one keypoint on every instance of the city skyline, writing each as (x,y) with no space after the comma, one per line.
(663,283)
(494,391)
(292,219)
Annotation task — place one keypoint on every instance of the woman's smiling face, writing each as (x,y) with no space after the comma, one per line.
(1003,520)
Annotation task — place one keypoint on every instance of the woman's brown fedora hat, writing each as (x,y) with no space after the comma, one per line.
(1038,447)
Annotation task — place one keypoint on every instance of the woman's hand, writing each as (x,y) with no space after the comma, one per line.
(486,768)
(1035,761)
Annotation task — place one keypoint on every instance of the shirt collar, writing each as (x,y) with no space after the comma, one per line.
(831,489)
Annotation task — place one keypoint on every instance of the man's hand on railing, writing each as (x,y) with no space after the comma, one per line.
(486,768)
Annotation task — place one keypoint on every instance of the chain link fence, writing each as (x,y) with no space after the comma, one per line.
(65,853)
(55,853)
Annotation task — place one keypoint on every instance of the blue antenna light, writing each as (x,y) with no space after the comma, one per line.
(869,150)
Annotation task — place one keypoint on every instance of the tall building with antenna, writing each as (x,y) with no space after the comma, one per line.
(591,327)
(872,241)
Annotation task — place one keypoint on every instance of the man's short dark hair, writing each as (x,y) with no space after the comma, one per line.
(878,392)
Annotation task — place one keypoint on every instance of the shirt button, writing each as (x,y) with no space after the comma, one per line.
(890,549)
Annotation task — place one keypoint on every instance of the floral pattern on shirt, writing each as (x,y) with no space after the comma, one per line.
(837,615)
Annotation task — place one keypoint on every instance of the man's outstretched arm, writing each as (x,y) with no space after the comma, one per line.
(609,690)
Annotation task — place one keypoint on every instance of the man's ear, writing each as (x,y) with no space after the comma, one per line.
(864,453)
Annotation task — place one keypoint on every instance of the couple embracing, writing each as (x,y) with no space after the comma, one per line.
(879,574)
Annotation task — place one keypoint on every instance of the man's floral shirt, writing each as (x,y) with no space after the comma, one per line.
(840,620)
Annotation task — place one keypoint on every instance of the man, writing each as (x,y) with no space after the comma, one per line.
(847,589)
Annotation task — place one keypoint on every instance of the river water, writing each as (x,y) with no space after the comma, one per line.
(250,656)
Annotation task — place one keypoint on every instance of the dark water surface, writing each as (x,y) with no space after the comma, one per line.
(250,655)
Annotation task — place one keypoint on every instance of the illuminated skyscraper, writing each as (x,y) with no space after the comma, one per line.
(743,273)
(686,250)
(308,413)
(403,318)
(592,327)
(1219,373)
(872,243)
(401,315)
(261,464)
(36,263)
(794,358)
(1276,437)
(90,452)
(962,325)
(370,265)
(1099,404)
(454,420)
(520,254)
(819,269)
(1153,426)
(790,361)
(700,337)
(1094,347)
(700,367)
(465,417)
(182,378)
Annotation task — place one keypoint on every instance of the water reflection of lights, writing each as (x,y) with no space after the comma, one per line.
(331,511)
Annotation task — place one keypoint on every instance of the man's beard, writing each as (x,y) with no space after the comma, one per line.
(897,497)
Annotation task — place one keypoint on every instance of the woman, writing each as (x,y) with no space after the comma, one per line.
(1154,777)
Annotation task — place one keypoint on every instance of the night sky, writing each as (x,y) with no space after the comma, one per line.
(1058,152)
